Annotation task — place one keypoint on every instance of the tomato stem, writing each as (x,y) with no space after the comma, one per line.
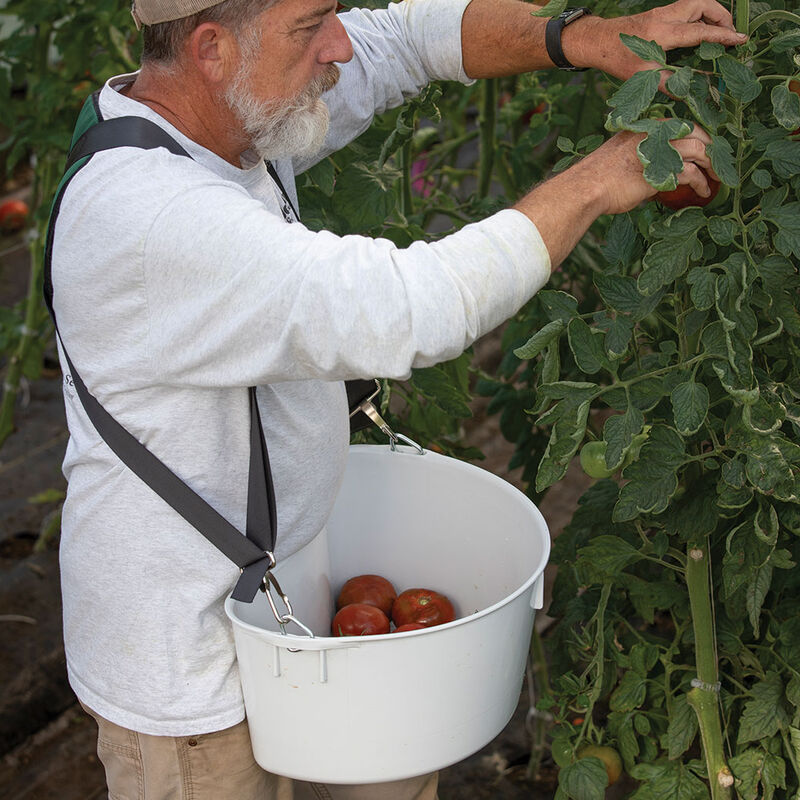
(704,696)
(486,124)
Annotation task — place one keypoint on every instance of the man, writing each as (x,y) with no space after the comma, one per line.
(179,282)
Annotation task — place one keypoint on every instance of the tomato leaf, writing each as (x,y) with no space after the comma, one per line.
(682,727)
(784,155)
(632,99)
(620,243)
(552,9)
(622,294)
(646,50)
(690,402)
(764,714)
(558,305)
(723,161)
(586,347)
(586,779)
(630,693)
(662,162)
(703,282)
(608,555)
(786,107)
(541,339)
(675,245)
(565,438)
(618,432)
(739,79)
(652,478)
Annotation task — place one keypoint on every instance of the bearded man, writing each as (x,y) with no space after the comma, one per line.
(180,282)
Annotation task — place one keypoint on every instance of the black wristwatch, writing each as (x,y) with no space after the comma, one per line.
(552,37)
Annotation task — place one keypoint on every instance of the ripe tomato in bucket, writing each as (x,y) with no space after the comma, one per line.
(423,606)
(359,619)
(409,626)
(374,590)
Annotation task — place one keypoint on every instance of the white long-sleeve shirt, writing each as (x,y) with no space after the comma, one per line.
(177,285)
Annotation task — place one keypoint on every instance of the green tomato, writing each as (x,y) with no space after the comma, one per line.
(593,460)
(608,755)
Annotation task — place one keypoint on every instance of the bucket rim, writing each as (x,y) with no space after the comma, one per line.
(342,642)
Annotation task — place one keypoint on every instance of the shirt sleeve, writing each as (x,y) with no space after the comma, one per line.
(397,52)
(238,297)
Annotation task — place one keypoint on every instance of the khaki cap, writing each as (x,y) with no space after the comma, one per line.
(151,12)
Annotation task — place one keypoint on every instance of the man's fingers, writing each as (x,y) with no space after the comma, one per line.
(713,13)
(693,152)
(694,177)
(691,34)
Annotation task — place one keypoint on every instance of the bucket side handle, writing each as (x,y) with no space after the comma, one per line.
(537,594)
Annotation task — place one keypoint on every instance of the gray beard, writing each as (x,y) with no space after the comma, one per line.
(282,129)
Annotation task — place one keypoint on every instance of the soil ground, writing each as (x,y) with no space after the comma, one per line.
(48,744)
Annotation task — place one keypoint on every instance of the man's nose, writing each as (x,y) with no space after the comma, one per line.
(337,47)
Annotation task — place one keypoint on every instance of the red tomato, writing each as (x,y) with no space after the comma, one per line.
(409,626)
(359,619)
(13,214)
(685,196)
(373,590)
(423,606)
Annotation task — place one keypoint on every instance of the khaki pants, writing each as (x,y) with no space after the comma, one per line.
(219,766)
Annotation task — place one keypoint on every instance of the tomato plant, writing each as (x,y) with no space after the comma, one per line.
(359,619)
(423,606)
(47,48)
(677,593)
(374,590)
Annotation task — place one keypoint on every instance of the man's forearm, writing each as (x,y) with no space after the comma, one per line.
(500,37)
(563,208)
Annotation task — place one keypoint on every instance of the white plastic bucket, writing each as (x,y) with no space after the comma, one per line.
(380,708)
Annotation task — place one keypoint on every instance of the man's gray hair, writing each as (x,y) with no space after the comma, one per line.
(162,42)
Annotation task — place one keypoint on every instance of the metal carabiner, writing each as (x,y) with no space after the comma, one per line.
(266,581)
(368,408)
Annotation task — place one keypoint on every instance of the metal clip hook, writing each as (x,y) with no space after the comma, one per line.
(369,409)
(268,579)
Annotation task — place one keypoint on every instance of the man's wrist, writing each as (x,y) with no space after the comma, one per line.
(581,41)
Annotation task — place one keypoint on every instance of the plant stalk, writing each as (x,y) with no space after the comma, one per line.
(541,681)
(742,19)
(488,144)
(406,198)
(13,375)
(704,696)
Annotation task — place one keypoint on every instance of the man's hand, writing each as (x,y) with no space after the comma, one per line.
(607,181)
(595,42)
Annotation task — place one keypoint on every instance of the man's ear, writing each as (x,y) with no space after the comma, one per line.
(212,50)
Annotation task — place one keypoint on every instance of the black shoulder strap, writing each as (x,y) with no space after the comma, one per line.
(122,132)
(251,553)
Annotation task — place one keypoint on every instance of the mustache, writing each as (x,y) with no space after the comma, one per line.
(322,83)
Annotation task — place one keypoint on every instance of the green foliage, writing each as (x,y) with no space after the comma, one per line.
(674,341)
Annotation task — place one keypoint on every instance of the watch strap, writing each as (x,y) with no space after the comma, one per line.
(552,37)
